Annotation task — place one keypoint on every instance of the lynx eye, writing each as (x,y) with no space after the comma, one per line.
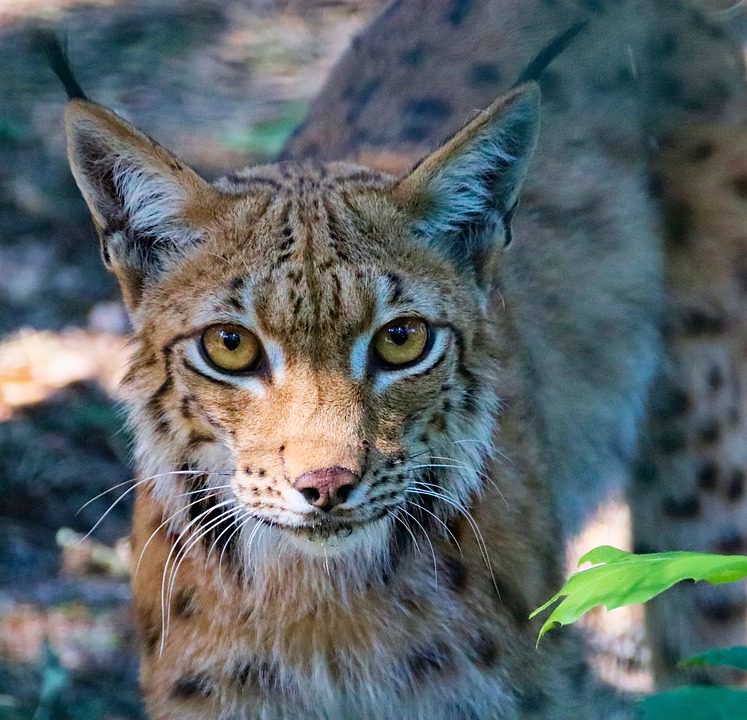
(231,348)
(401,342)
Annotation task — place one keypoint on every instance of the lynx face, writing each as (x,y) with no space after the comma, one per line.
(316,353)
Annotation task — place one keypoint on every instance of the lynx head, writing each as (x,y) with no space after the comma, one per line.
(315,346)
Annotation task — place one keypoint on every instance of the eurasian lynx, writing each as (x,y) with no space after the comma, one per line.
(355,407)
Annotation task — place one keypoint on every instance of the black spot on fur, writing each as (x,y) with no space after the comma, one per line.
(710,431)
(455,573)
(682,508)
(735,488)
(509,599)
(150,635)
(184,603)
(701,322)
(715,378)
(248,182)
(708,477)
(204,511)
(671,441)
(484,651)
(235,303)
(259,674)
(413,57)
(359,99)
(395,287)
(720,609)
(429,661)
(184,407)
(469,399)
(421,116)
(731,543)
(480,74)
(702,151)
(154,403)
(458,11)
(192,687)
(701,22)
(739,184)
(661,46)
(282,259)
(579,675)
(672,402)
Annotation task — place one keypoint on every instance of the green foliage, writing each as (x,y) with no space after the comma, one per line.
(696,703)
(620,578)
(735,657)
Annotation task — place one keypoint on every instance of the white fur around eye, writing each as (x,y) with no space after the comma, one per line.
(276,359)
(359,356)
(386,378)
(194,356)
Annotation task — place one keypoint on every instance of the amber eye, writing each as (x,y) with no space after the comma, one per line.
(401,342)
(231,348)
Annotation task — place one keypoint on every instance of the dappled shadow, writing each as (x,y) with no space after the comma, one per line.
(56,455)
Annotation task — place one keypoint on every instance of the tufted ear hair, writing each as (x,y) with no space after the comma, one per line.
(461,197)
(147,206)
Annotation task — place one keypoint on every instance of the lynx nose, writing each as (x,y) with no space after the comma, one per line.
(328,487)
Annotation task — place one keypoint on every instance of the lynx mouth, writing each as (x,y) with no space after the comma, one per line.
(326,530)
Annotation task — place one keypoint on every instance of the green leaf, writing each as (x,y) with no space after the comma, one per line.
(621,578)
(266,138)
(735,657)
(696,703)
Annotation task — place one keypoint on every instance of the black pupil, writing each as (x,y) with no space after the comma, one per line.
(399,335)
(231,339)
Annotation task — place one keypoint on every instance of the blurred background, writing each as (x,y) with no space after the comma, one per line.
(221,83)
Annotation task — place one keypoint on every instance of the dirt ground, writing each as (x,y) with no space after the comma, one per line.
(222,83)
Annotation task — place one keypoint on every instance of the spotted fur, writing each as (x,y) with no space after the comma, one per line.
(652,96)
(411,599)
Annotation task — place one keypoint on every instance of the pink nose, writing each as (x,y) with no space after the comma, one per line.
(328,487)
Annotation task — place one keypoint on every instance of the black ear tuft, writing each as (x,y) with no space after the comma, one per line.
(56,53)
(538,64)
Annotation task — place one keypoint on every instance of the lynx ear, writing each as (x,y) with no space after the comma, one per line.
(461,196)
(143,200)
